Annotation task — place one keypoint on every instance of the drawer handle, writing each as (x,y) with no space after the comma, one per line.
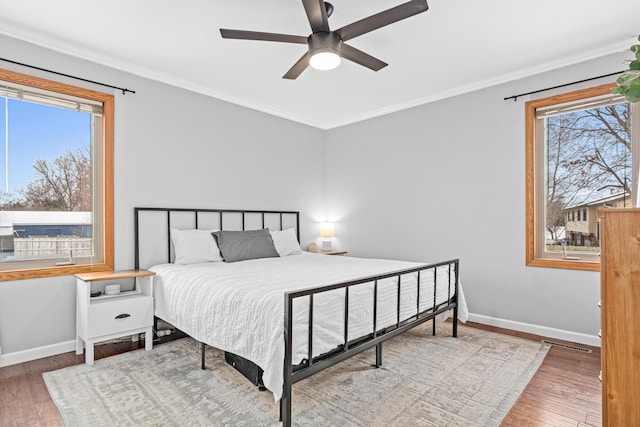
(122,316)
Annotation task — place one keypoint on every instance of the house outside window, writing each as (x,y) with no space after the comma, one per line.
(580,156)
(586,233)
(56,195)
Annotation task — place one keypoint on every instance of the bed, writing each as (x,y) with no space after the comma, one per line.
(290,315)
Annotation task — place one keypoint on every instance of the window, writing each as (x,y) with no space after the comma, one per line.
(580,156)
(56,198)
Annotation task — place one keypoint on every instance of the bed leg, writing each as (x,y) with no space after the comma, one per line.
(285,409)
(378,355)
(455,321)
(202,348)
(434,327)
(155,327)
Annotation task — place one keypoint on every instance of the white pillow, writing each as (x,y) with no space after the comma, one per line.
(193,246)
(286,242)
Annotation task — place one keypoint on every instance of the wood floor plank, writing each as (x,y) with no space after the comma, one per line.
(48,414)
(544,415)
(560,408)
(517,419)
(586,397)
(12,371)
(17,392)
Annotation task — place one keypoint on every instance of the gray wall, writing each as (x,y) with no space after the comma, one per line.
(443,180)
(446,180)
(172,148)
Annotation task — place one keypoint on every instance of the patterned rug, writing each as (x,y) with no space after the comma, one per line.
(472,380)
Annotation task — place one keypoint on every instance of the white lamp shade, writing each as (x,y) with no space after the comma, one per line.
(325,60)
(326,229)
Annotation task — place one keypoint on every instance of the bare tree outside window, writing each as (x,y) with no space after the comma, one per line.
(62,184)
(588,160)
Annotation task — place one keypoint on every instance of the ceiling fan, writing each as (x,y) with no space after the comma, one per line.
(326,47)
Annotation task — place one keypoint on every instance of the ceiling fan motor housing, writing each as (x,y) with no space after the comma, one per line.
(324,42)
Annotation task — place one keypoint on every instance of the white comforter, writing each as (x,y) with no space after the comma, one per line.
(239,307)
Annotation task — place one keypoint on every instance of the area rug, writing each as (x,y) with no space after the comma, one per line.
(472,380)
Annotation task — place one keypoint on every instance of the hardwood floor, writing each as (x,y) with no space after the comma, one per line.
(564,392)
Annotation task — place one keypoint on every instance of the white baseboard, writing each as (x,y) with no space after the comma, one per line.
(36,353)
(544,331)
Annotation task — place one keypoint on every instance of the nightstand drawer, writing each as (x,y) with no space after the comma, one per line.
(120,315)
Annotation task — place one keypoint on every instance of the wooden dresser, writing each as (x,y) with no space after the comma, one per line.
(620,322)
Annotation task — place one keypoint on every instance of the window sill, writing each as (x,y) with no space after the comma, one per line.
(563,263)
(37,273)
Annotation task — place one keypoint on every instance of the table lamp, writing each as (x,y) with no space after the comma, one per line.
(326,230)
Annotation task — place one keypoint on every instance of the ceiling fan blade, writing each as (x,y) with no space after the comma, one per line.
(382,19)
(256,35)
(317,15)
(359,57)
(297,68)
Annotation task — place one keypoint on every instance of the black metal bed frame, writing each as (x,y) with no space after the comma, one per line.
(293,374)
(312,365)
(197,211)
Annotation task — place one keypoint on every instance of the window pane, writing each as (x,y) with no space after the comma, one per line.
(587,166)
(56,178)
(46,182)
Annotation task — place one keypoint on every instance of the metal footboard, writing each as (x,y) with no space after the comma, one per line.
(312,365)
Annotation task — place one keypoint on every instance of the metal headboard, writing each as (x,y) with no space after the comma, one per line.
(281,217)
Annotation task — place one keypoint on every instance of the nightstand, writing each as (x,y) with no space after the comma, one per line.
(107,317)
(332,252)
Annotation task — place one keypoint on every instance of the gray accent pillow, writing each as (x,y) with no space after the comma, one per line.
(243,245)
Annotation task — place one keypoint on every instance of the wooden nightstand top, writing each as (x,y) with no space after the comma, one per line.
(113,275)
(331,252)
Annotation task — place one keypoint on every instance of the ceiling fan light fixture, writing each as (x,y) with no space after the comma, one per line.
(324,60)
(326,47)
(324,50)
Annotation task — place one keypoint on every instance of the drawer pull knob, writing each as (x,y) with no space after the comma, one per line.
(122,316)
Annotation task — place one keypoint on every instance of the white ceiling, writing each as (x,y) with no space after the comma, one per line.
(454,47)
